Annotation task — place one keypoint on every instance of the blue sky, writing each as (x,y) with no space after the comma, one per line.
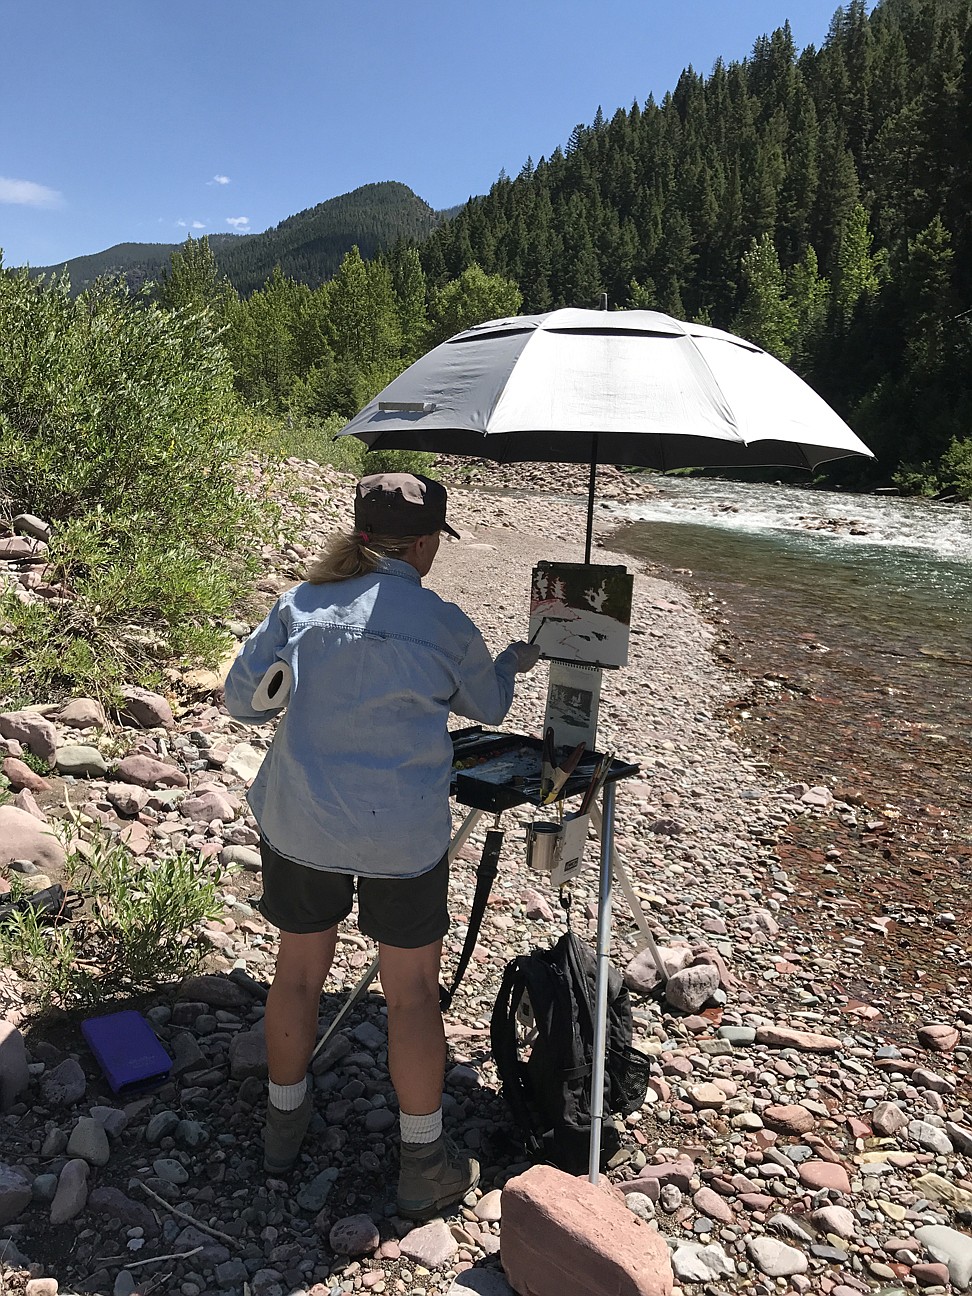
(137,120)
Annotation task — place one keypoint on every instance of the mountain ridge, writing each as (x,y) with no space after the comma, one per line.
(308,245)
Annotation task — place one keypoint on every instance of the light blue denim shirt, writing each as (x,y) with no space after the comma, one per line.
(357,777)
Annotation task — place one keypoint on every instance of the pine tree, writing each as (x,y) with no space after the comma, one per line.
(767,317)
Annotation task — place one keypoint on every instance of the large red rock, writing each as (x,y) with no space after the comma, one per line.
(939,1038)
(567,1237)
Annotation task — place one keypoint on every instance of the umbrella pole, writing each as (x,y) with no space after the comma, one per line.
(590,499)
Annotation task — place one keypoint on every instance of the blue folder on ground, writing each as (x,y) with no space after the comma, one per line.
(128,1051)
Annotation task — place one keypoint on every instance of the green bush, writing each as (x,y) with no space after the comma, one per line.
(303,437)
(119,426)
(138,929)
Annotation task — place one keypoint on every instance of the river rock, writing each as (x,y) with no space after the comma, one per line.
(15,1193)
(952,1248)
(354,1236)
(824,1174)
(64,1085)
(694,1262)
(89,1141)
(244,762)
(208,805)
(33,730)
(150,773)
(80,760)
(128,798)
(788,1118)
(216,991)
(145,710)
(887,1119)
(14,1076)
(938,1038)
(835,1219)
(72,1192)
(785,1037)
(248,1056)
(431,1245)
(776,1258)
(929,1137)
(689,990)
(83,713)
(22,837)
(19,775)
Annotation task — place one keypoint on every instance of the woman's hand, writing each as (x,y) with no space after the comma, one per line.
(527,655)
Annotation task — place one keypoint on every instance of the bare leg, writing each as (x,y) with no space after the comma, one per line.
(294,1001)
(416,1038)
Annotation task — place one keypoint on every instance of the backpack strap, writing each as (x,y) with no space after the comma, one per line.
(506,1054)
(485,877)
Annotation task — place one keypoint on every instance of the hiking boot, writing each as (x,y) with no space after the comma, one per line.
(284,1134)
(433,1176)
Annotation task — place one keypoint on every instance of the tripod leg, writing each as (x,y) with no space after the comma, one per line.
(370,972)
(635,905)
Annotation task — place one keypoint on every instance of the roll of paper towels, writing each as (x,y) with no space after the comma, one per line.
(273,691)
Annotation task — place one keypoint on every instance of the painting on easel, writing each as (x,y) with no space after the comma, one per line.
(581,612)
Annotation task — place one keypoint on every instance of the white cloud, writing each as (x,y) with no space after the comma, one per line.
(198,225)
(238,222)
(181,224)
(220,179)
(28,194)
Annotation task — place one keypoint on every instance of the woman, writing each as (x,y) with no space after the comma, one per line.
(356,786)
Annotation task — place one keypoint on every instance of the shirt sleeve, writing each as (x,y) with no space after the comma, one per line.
(257,655)
(485,691)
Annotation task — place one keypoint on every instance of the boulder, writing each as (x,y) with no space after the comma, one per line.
(142,709)
(938,1038)
(31,729)
(22,837)
(205,806)
(354,1236)
(563,1236)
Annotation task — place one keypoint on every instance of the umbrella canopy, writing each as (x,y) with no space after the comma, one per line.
(624,387)
(631,387)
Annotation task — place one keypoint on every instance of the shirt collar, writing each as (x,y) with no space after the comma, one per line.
(395,567)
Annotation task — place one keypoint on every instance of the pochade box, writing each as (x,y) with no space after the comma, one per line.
(128,1051)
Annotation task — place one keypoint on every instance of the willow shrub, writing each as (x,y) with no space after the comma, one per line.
(119,426)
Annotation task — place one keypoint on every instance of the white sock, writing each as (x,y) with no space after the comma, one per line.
(420,1129)
(288,1097)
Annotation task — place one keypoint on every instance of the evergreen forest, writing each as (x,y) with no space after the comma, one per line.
(816,202)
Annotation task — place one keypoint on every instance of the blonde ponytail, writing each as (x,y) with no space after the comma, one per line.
(347,555)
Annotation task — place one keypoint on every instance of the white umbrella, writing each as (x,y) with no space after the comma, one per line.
(624,387)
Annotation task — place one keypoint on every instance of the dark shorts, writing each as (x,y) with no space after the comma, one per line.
(404,912)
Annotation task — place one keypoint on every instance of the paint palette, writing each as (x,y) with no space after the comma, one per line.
(496,771)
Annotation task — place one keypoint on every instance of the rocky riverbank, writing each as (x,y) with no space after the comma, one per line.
(793,1139)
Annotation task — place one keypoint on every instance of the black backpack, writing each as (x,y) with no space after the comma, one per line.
(542,1037)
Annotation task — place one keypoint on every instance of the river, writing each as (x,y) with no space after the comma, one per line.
(860,649)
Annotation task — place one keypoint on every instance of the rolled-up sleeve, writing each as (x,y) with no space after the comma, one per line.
(256,657)
(485,691)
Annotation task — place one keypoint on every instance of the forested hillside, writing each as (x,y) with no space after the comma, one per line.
(136,263)
(308,246)
(819,202)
